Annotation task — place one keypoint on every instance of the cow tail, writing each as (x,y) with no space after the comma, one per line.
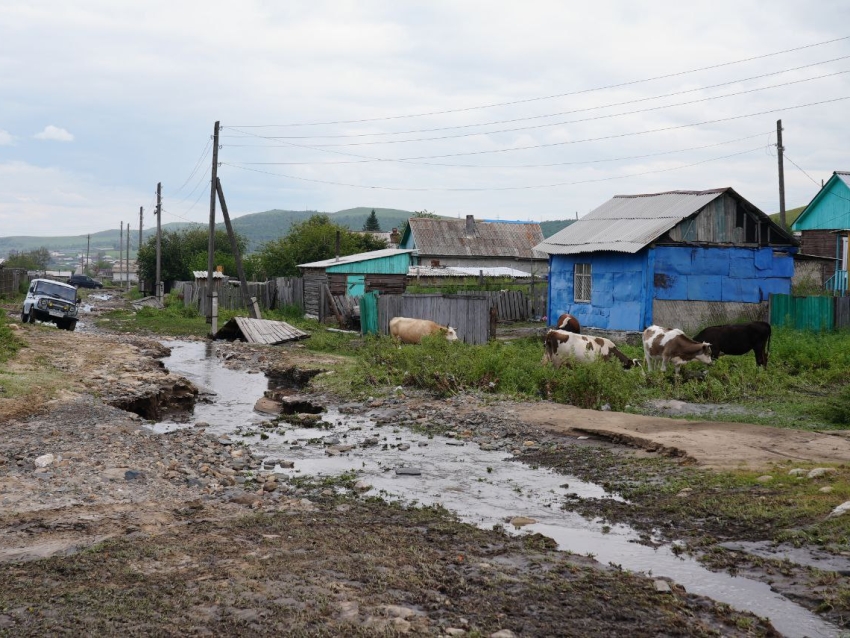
(767,346)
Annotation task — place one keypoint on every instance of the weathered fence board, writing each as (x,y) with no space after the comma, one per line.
(513,305)
(842,313)
(11,278)
(275,293)
(468,315)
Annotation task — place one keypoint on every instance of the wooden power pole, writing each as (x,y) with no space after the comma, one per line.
(88,246)
(138,270)
(158,214)
(128,257)
(779,151)
(212,296)
(120,250)
(251,302)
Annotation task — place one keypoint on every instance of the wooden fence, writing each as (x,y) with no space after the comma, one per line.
(10,280)
(514,305)
(275,293)
(468,315)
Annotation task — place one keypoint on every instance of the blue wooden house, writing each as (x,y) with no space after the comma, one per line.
(681,259)
(824,226)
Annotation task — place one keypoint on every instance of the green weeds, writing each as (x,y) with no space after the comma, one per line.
(10,343)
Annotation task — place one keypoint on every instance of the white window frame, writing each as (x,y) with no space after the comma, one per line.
(582,283)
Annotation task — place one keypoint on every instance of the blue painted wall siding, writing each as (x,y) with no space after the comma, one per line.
(721,274)
(624,286)
(390,265)
(830,209)
(618,291)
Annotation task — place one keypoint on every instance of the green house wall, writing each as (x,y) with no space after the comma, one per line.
(830,209)
(390,265)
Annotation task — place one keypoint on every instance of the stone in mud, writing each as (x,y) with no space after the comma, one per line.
(422,444)
(115,473)
(332,451)
(662,586)
(521,521)
(132,475)
(826,489)
(765,478)
(372,440)
(408,471)
(267,406)
(246,499)
(840,510)
(362,486)
(454,443)
(224,441)
(44,460)
(398,611)
(404,447)
(349,610)
(820,471)
(503,633)
(201,424)
(454,631)
(797,471)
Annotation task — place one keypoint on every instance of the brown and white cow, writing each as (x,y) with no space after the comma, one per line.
(561,346)
(671,345)
(739,338)
(569,323)
(409,330)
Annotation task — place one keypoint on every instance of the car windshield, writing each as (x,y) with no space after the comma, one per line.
(56,290)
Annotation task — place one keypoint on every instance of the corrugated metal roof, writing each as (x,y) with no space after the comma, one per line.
(352,259)
(202,274)
(627,223)
(464,271)
(844,176)
(449,237)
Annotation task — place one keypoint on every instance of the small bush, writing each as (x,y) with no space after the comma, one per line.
(837,409)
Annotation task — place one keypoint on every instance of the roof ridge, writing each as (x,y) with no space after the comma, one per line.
(682,192)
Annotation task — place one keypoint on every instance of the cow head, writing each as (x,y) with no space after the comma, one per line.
(704,354)
(451,334)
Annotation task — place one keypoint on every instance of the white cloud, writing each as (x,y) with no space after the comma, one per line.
(6,138)
(54,133)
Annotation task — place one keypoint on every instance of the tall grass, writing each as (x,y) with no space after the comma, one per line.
(10,343)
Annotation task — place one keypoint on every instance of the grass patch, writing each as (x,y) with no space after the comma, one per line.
(10,342)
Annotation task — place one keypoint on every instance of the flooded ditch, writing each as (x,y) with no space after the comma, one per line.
(482,487)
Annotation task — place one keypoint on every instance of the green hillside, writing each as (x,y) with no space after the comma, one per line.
(551,227)
(791,215)
(257,228)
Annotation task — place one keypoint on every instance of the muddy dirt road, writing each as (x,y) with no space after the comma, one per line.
(108,526)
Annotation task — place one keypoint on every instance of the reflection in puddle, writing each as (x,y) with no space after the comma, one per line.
(481,487)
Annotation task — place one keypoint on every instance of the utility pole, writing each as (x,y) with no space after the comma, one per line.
(158,213)
(138,270)
(251,302)
(88,245)
(779,151)
(212,296)
(120,250)
(128,257)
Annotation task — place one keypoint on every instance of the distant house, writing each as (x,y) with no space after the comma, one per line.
(475,244)
(353,275)
(824,226)
(681,259)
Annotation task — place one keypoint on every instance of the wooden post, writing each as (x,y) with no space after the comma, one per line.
(127,270)
(120,250)
(88,246)
(211,242)
(158,283)
(249,301)
(779,150)
(138,271)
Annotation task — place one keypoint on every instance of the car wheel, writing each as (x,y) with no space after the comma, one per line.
(31,316)
(23,316)
(71,326)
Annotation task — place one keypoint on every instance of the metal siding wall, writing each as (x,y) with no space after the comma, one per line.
(814,314)
(618,290)
(832,210)
(390,265)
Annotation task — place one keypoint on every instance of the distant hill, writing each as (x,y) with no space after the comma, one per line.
(790,215)
(257,228)
(550,228)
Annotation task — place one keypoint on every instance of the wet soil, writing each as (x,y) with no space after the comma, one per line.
(187,532)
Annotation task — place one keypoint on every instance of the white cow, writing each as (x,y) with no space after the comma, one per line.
(409,330)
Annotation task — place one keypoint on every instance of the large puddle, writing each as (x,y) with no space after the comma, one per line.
(482,487)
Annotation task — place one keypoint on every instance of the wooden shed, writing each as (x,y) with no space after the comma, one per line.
(353,275)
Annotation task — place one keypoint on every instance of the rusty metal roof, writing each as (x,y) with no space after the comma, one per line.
(450,238)
(627,223)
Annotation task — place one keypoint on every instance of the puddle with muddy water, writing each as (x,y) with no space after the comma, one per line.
(482,487)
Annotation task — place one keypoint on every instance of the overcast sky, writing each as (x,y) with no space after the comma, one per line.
(502,110)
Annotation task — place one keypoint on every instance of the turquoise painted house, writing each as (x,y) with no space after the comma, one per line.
(353,275)
(680,259)
(824,227)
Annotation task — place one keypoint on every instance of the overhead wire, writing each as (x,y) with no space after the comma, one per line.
(203,156)
(570,112)
(496,188)
(550,97)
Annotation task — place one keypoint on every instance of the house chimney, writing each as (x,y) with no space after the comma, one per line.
(470,225)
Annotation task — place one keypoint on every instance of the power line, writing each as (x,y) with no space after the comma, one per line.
(582,110)
(498,188)
(563,122)
(197,165)
(550,97)
(491,166)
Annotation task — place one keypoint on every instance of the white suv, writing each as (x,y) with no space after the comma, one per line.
(53,301)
